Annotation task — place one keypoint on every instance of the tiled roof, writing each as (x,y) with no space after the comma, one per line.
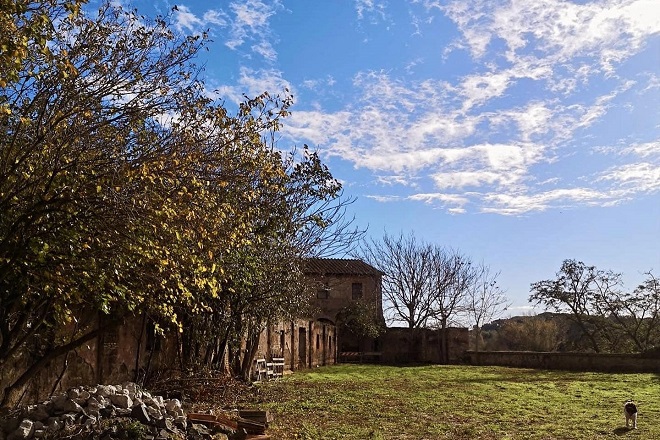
(339,266)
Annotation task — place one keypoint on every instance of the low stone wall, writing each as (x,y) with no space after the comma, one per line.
(608,363)
(409,346)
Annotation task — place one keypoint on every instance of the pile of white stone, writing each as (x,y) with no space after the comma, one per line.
(83,408)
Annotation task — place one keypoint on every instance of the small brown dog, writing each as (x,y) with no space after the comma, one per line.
(630,411)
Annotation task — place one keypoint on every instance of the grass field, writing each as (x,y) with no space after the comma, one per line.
(458,402)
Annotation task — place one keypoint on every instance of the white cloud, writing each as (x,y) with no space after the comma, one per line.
(485,134)
(253,82)
(634,178)
(454,202)
(184,19)
(608,30)
(516,204)
(246,21)
(251,22)
(372,8)
(644,149)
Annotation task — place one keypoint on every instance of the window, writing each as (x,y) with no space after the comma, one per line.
(318,341)
(357,290)
(322,294)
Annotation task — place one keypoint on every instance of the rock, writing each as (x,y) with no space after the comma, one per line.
(82,408)
(73,393)
(107,412)
(123,412)
(92,412)
(121,400)
(154,412)
(163,435)
(68,419)
(71,407)
(165,423)
(39,412)
(181,422)
(58,403)
(140,414)
(55,424)
(198,431)
(172,406)
(105,390)
(103,402)
(158,400)
(24,430)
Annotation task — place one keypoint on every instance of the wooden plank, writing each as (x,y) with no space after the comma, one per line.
(251,427)
(256,415)
(214,420)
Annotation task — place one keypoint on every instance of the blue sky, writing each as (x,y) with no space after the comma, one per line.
(520,132)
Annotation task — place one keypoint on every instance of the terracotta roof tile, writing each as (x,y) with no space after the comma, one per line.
(339,266)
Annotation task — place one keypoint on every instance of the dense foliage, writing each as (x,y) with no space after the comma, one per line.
(125,191)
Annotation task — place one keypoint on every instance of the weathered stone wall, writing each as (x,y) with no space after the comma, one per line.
(403,345)
(302,343)
(610,363)
(339,291)
(118,356)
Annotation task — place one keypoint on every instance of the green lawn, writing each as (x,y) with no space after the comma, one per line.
(458,402)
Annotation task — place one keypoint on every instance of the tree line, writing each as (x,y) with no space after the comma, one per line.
(426,285)
(586,310)
(608,317)
(126,191)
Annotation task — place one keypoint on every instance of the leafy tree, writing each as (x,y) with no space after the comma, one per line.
(26,26)
(125,191)
(609,317)
(634,316)
(80,149)
(574,291)
(361,319)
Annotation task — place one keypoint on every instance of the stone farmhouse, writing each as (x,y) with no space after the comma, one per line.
(319,340)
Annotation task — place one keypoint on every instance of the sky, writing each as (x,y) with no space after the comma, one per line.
(519,132)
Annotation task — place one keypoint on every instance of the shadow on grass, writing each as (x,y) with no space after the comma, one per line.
(621,431)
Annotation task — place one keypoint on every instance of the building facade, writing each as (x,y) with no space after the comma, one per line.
(339,287)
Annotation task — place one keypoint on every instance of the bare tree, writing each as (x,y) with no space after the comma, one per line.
(451,277)
(406,263)
(486,300)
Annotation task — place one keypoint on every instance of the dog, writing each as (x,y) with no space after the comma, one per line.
(630,411)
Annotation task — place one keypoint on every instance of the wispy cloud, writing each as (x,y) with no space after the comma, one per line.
(245,22)
(252,82)
(481,137)
(186,21)
(372,9)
